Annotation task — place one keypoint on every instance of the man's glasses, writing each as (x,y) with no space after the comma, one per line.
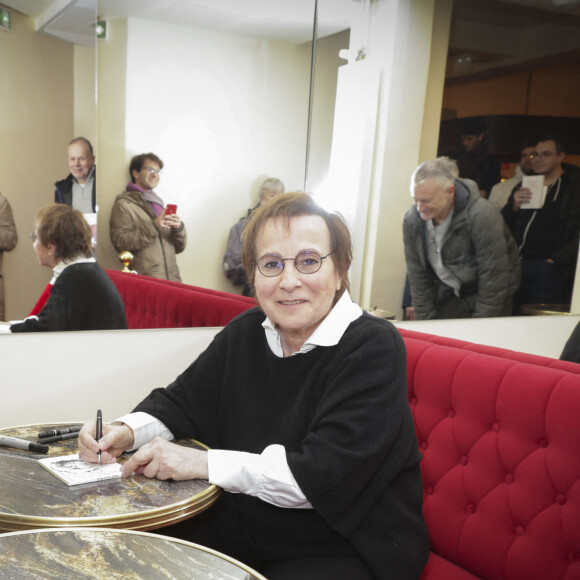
(541,154)
(152,170)
(306,262)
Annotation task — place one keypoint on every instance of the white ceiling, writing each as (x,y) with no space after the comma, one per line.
(488,37)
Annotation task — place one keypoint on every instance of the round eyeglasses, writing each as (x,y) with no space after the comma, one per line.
(153,171)
(306,262)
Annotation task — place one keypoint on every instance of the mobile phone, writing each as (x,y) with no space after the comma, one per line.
(170,209)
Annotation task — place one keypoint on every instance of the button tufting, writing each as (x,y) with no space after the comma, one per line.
(429,490)
(520,531)
(572,556)
(543,442)
(561,499)
(463,460)
(471,509)
(451,413)
(509,478)
(424,445)
(495,427)
(413,401)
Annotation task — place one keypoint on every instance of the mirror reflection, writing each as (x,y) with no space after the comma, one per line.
(47,97)
(220,91)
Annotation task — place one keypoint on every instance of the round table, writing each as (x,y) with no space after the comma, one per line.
(34,498)
(73,553)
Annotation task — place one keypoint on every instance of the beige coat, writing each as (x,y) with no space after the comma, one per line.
(8,239)
(132,228)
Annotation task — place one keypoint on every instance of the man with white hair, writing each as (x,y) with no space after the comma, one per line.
(462,261)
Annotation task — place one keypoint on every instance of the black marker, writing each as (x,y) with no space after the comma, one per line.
(22,444)
(59,438)
(56,432)
(99,432)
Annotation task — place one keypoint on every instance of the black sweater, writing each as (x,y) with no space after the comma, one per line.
(343,416)
(83,298)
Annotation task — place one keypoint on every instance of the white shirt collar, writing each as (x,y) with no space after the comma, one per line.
(327,333)
(60,267)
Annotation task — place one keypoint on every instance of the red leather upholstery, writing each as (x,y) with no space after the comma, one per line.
(493,350)
(153,303)
(501,464)
(42,300)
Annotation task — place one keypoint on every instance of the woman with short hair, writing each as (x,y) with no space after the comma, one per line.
(303,403)
(82,297)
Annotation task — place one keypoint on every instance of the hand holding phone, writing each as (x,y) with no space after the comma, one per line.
(170,209)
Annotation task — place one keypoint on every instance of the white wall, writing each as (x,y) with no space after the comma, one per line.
(67,376)
(222,111)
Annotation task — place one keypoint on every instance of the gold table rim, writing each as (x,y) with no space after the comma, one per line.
(229,559)
(147,519)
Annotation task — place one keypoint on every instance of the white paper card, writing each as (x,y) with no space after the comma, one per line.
(535,183)
(73,470)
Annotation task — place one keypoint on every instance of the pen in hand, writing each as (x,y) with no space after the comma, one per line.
(99,433)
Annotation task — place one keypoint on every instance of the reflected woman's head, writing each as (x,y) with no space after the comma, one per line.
(65,229)
(283,209)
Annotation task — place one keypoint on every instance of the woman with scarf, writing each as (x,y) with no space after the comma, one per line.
(141,225)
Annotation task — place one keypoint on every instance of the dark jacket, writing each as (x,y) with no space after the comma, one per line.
(552,231)
(63,191)
(478,250)
(571,350)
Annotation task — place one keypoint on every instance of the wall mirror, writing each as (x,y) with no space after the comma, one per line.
(221,91)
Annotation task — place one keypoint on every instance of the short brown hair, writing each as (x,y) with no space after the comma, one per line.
(293,205)
(67,229)
(139,160)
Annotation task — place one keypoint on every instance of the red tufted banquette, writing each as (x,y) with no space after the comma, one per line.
(500,441)
(153,303)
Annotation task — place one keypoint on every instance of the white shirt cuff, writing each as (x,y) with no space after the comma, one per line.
(266,475)
(145,428)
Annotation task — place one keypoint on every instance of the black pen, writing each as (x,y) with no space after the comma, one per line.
(99,432)
(6,441)
(59,438)
(56,432)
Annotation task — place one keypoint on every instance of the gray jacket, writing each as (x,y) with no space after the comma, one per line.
(478,250)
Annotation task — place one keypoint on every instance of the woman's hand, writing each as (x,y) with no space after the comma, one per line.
(168,221)
(164,460)
(115,440)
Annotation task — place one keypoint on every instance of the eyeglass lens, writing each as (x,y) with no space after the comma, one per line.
(306,262)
